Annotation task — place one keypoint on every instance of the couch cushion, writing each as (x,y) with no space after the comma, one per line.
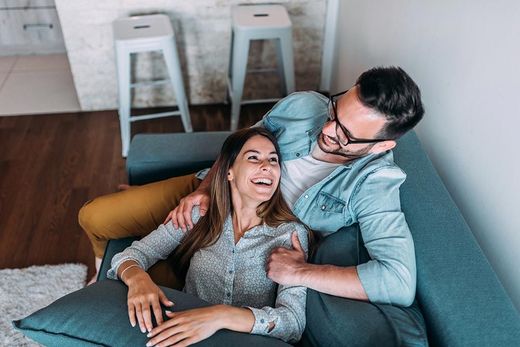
(97,316)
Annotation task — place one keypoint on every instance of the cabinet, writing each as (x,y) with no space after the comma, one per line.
(29,27)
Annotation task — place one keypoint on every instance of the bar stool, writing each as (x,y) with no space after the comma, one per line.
(258,22)
(144,34)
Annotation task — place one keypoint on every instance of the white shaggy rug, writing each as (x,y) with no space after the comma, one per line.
(23,291)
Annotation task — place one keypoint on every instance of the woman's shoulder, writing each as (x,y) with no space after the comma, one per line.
(286,229)
(294,226)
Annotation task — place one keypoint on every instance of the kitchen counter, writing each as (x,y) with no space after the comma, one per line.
(203,32)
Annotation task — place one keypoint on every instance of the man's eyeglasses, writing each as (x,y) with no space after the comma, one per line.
(341,131)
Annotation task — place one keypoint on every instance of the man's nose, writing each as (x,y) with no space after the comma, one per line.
(329,129)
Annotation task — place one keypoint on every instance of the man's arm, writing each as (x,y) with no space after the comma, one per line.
(288,267)
(181,215)
(390,276)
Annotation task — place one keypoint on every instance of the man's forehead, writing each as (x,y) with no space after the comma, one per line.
(350,105)
(359,120)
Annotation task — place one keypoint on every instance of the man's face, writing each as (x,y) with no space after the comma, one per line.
(360,122)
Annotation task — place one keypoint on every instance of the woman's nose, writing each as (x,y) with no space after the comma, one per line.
(265,166)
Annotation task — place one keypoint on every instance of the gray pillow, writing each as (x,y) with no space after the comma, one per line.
(97,316)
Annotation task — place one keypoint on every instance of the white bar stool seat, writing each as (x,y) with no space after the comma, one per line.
(144,34)
(258,22)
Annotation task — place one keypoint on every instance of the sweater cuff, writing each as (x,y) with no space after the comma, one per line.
(261,326)
(112,272)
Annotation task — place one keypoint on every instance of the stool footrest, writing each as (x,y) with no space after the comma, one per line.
(154,115)
(150,83)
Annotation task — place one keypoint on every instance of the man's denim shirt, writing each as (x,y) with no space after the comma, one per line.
(365,191)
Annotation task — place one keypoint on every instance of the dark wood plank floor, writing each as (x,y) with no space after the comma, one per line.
(51,164)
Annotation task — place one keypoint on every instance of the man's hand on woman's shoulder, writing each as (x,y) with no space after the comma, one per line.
(181,216)
(285,265)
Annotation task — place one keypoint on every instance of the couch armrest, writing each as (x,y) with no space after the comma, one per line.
(113,247)
(154,157)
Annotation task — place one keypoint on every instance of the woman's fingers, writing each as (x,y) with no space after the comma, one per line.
(156,306)
(170,336)
(166,325)
(131,314)
(164,300)
(147,314)
(175,340)
(140,319)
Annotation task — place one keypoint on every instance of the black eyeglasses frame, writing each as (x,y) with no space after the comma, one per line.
(333,117)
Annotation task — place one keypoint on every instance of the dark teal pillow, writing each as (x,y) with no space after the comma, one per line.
(97,316)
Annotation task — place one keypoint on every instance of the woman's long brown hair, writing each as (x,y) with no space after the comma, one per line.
(208,229)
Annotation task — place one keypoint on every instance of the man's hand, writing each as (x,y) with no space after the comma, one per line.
(181,215)
(187,327)
(143,294)
(285,266)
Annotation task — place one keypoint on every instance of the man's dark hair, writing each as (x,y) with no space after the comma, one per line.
(391,92)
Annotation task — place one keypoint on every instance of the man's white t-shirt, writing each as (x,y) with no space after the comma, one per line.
(300,174)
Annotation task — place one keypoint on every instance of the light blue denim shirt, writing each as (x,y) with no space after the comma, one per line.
(364,191)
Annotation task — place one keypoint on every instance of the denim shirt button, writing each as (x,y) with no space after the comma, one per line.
(323,207)
(297,154)
(228,294)
(262,321)
(306,196)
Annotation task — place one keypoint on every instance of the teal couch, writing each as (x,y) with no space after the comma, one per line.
(461,298)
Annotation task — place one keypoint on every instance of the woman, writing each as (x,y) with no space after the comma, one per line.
(224,255)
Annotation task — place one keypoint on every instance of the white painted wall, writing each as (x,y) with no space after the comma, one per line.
(465,56)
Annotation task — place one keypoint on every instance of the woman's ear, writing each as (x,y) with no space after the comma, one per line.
(230,175)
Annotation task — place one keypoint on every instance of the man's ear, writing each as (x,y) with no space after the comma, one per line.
(383,146)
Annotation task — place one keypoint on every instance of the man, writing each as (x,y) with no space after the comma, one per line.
(338,171)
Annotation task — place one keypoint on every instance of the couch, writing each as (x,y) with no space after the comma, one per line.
(462,300)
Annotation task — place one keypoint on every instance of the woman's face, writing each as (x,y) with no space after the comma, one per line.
(255,174)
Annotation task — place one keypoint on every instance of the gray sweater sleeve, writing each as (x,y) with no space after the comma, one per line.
(288,315)
(157,245)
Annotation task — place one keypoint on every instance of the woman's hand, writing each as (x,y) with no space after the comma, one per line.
(188,327)
(143,294)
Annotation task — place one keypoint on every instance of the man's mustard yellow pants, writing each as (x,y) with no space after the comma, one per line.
(135,212)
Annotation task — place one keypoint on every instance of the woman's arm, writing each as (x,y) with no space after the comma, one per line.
(130,266)
(157,245)
(192,326)
(143,293)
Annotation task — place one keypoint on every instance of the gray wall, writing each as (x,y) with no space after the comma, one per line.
(465,56)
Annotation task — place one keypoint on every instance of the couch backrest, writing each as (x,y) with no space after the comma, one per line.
(463,302)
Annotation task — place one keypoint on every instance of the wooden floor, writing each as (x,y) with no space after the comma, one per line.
(51,164)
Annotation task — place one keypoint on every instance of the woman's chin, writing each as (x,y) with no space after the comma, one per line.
(263,195)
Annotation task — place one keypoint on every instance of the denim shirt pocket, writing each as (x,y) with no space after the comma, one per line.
(330,204)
